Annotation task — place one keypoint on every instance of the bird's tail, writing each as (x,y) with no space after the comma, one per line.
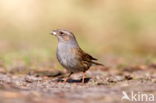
(95,63)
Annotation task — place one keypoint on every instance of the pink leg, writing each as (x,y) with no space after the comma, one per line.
(83,77)
(68,77)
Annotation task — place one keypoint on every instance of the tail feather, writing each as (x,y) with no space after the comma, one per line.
(95,63)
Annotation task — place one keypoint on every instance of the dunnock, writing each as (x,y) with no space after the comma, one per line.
(70,55)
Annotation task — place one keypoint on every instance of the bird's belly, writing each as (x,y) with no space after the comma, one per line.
(68,61)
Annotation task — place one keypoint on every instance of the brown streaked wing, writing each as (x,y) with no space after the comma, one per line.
(82,55)
(87,56)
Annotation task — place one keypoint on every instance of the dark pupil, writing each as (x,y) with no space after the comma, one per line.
(61,32)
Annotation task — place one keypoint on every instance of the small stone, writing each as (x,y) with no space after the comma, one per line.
(128,77)
(31,79)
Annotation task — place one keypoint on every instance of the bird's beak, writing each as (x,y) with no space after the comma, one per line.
(53,33)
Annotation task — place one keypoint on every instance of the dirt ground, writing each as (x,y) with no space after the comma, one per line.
(102,84)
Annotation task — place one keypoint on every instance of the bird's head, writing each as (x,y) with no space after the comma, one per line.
(63,35)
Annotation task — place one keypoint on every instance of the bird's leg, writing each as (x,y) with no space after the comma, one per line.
(83,77)
(68,77)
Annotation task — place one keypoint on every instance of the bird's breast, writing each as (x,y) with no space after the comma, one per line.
(66,57)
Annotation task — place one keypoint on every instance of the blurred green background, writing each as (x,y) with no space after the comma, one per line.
(101,26)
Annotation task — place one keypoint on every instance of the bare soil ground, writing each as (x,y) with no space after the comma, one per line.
(103,84)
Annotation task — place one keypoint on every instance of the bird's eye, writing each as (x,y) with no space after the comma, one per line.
(61,33)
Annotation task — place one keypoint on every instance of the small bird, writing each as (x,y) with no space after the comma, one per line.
(70,55)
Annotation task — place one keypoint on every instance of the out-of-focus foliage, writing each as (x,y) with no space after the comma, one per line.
(108,25)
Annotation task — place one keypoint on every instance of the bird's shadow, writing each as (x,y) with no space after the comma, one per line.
(86,80)
(59,75)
